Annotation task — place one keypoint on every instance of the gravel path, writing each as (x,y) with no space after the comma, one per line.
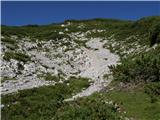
(100,59)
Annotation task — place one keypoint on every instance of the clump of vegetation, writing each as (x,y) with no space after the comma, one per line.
(40,103)
(144,67)
(8,40)
(78,82)
(50,77)
(155,34)
(18,31)
(93,107)
(81,42)
(3,79)
(16,55)
(44,32)
(10,43)
(153,90)
(140,71)
(121,29)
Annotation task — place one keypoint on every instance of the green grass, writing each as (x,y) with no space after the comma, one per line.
(137,104)
(141,103)
(39,103)
(50,77)
(47,103)
(8,40)
(80,42)
(16,55)
(153,90)
(83,82)
(121,29)
(155,34)
(10,43)
(3,79)
(143,67)
(93,107)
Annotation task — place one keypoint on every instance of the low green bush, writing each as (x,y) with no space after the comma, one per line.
(3,79)
(93,107)
(155,34)
(50,77)
(47,103)
(8,40)
(17,56)
(80,42)
(40,103)
(144,67)
(153,89)
(10,43)
(82,82)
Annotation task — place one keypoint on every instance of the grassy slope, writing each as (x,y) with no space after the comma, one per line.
(46,103)
(136,103)
(94,107)
(40,103)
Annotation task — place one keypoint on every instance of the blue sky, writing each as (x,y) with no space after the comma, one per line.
(22,13)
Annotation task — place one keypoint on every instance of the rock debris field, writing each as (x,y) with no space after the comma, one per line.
(90,61)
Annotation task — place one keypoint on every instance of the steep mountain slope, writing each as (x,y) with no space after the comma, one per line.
(57,63)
